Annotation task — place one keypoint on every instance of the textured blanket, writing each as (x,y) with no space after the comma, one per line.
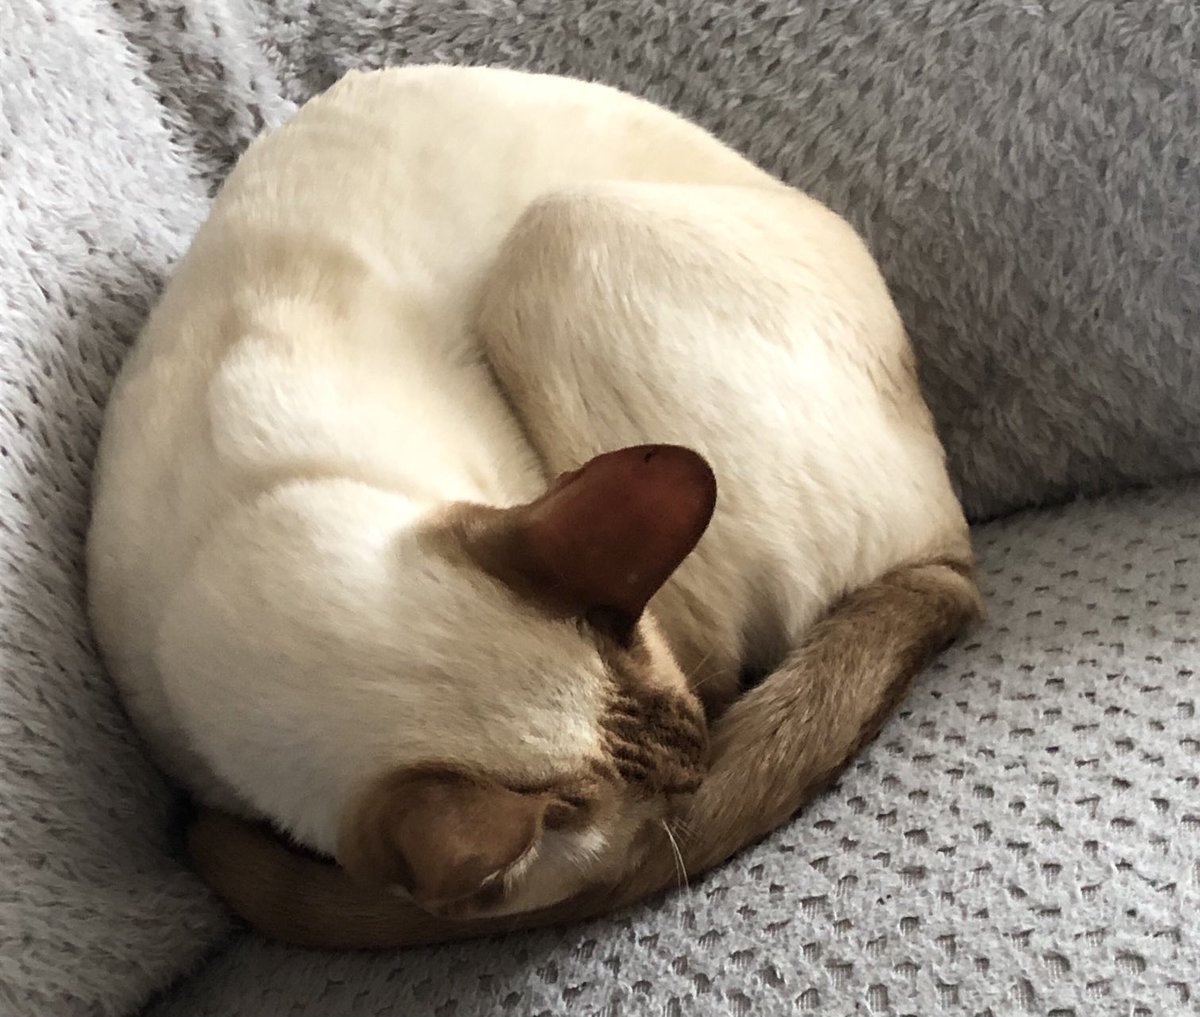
(1026,172)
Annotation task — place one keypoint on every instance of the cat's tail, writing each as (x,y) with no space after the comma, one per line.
(773,750)
(297,898)
(786,740)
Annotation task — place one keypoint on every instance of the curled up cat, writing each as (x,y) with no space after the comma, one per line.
(493,428)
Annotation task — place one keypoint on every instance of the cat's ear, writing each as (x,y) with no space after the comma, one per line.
(441,835)
(604,538)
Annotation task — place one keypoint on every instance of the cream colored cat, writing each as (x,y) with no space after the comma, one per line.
(340,589)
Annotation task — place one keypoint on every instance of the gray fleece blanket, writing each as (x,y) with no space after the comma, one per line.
(1026,172)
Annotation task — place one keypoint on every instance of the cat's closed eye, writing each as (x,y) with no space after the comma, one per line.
(570,812)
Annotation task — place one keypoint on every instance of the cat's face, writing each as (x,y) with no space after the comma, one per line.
(566,724)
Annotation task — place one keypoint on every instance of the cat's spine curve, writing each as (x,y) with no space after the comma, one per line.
(773,750)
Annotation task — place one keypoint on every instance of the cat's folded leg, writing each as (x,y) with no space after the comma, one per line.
(773,750)
(787,739)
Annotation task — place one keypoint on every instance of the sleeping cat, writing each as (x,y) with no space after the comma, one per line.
(493,427)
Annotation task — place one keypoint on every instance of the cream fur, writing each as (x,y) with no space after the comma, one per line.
(314,387)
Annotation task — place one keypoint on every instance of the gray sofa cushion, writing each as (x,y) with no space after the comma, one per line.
(1024,170)
(1023,838)
(95,201)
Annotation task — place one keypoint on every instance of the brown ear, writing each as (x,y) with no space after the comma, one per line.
(603,539)
(440,834)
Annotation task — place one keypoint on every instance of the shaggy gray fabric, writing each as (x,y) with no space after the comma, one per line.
(1026,172)
(1023,838)
(95,202)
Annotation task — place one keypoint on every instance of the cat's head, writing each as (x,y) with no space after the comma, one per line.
(557,723)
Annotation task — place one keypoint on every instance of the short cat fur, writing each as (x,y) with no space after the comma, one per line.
(342,591)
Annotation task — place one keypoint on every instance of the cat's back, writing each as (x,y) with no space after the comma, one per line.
(339,267)
(323,311)
(319,325)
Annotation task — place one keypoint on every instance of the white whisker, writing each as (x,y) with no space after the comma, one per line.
(680,868)
(693,675)
(680,827)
